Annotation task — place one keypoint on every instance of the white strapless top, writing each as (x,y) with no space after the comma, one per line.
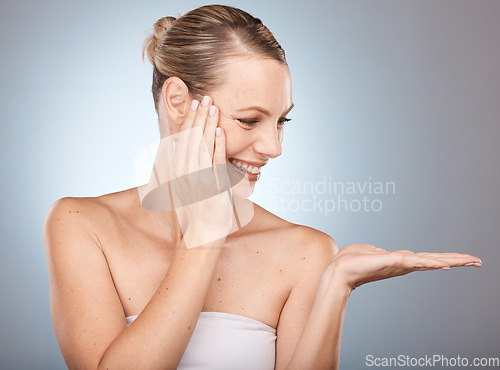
(227,341)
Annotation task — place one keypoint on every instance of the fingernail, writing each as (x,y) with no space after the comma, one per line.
(469,264)
(194,104)
(445,268)
(205,101)
(477,264)
(212,110)
(218,131)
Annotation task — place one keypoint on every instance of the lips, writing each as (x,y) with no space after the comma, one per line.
(249,169)
(245,166)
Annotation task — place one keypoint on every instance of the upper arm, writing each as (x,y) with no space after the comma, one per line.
(86,312)
(315,253)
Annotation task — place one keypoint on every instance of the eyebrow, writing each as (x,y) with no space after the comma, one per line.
(263,110)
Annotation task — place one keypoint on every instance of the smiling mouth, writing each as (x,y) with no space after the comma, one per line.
(245,166)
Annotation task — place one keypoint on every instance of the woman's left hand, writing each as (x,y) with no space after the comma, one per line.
(358,264)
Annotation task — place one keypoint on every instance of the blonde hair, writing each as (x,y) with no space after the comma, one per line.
(196,46)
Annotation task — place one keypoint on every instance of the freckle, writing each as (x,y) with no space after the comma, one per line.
(71,290)
(189,328)
(304,258)
(218,279)
(129,298)
(242,308)
(77,211)
(232,286)
(173,311)
(281,270)
(69,212)
(220,301)
(57,219)
(257,251)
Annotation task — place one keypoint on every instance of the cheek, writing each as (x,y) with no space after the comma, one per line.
(235,136)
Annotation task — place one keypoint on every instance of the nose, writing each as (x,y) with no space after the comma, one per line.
(269,141)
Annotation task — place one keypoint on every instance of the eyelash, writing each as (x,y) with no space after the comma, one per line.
(252,122)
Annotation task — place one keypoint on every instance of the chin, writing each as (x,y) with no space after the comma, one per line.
(242,182)
(243,189)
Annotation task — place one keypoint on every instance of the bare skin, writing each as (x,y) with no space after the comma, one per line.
(109,257)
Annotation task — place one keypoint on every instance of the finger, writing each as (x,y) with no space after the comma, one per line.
(459,261)
(220,157)
(418,263)
(439,262)
(429,254)
(202,113)
(212,121)
(220,147)
(183,135)
(190,115)
(197,150)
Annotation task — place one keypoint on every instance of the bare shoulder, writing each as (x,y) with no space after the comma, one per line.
(87,211)
(68,213)
(81,217)
(73,206)
(313,249)
(304,244)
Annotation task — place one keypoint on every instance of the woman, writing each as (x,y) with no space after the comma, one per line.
(185,271)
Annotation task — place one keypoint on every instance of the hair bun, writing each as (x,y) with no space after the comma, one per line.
(161,26)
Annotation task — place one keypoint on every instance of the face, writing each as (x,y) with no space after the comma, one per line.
(253,104)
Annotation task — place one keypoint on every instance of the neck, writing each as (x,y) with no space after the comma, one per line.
(164,221)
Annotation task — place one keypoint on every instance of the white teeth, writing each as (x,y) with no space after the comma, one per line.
(245,167)
(254,170)
(240,165)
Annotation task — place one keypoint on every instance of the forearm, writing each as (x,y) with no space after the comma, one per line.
(319,344)
(159,336)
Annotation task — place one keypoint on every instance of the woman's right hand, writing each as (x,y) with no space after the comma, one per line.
(200,183)
(192,163)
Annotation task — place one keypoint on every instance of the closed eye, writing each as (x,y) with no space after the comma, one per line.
(252,122)
(248,122)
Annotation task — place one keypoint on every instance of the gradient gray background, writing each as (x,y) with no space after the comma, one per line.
(402,91)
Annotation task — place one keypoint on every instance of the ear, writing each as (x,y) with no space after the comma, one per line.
(176,99)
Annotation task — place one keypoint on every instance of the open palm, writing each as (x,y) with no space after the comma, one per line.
(363,263)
